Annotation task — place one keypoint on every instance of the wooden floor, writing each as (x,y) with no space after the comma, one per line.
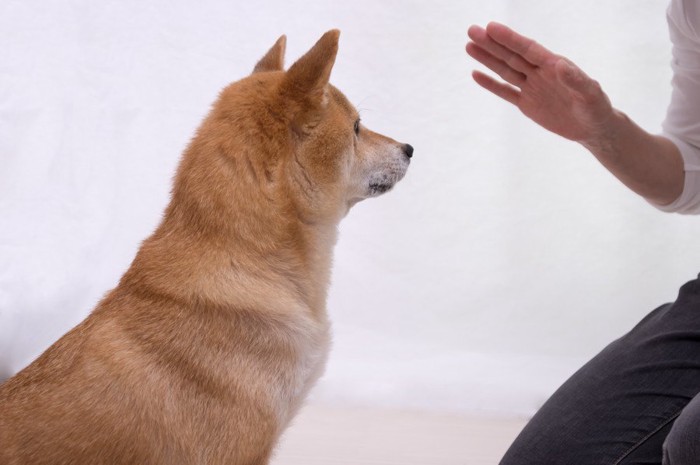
(325,436)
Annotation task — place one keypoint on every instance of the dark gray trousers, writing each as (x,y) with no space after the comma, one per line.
(636,402)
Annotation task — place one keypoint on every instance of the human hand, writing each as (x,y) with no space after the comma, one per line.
(547,88)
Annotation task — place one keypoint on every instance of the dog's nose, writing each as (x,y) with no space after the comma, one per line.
(408,150)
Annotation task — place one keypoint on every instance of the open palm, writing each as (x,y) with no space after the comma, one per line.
(546,87)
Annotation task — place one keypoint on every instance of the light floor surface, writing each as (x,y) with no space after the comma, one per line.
(347,436)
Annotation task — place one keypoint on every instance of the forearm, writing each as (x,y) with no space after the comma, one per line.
(649,165)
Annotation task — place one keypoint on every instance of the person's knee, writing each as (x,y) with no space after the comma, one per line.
(526,451)
(521,451)
(682,446)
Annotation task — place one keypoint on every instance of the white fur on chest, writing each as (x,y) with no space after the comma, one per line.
(312,349)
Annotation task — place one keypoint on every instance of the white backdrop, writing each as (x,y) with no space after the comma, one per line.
(504,260)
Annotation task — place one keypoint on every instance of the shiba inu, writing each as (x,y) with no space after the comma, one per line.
(213,337)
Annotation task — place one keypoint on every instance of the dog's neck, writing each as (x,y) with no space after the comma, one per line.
(239,265)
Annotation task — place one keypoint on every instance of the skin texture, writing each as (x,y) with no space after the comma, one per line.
(207,347)
(556,94)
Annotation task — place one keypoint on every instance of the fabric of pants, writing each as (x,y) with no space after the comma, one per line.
(634,403)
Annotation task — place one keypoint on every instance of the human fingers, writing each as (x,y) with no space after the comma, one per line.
(494,64)
(500,89)
(527,48)
(512,59)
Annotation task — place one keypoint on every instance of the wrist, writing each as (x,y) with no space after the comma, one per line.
(605,137)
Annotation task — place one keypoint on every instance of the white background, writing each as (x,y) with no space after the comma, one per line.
(504,260)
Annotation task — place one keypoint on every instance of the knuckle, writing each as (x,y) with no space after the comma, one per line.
(594,88)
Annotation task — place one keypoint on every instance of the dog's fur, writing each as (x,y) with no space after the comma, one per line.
(215,334)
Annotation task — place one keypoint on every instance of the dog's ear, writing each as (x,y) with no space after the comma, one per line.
(274,58)
(306,81)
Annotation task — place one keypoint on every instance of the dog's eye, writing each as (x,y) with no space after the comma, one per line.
(357,126)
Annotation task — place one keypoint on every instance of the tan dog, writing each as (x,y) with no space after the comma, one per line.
(213,337)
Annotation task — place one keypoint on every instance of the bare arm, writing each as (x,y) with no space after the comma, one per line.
(560,97)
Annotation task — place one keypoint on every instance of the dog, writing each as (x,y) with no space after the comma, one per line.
(213,337)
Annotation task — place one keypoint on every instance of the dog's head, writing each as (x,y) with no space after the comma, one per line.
(295,138)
